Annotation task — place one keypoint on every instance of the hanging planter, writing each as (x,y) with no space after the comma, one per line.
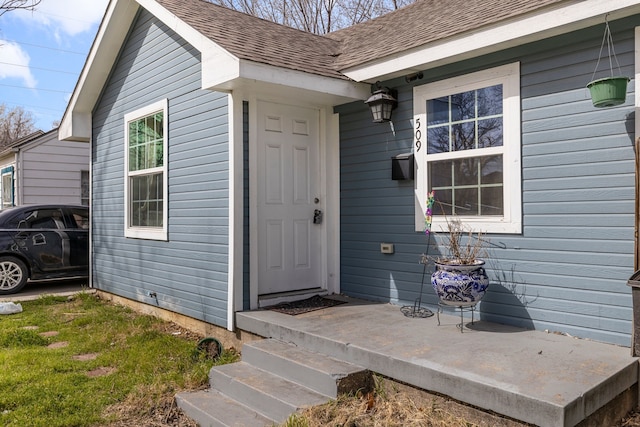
(608,91)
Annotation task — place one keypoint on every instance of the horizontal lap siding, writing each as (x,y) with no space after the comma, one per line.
(568,270)
(50,171)
(188,273)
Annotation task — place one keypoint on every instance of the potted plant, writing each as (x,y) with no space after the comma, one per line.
(459,278)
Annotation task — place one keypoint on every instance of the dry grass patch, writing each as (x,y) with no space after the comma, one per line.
(393,404)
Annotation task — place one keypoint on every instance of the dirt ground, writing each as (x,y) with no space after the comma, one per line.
(392,404)
(395,405)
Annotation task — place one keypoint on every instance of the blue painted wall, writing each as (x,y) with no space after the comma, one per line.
(188,273)
(567,271)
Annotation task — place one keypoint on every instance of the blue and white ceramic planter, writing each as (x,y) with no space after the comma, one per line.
(460,285)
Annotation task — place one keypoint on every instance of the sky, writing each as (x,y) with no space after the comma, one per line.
(42,54)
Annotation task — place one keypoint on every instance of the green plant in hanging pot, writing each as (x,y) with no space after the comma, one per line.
(609,91)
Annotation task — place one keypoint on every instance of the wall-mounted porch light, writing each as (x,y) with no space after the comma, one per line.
(382,102)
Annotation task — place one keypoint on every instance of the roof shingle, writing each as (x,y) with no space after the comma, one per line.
(423,22)
(259,40)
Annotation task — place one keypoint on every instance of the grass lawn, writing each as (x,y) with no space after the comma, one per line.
(84,362)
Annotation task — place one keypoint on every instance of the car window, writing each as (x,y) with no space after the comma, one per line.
(38,219)
(80,217)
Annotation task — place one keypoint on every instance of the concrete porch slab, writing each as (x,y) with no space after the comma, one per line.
(540,378)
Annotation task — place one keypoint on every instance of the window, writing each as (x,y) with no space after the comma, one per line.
(79,218)
(7,186)
(84,188)
(146,172)
(467,143)
(39,219)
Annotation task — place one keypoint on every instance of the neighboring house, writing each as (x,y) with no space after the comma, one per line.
(216,137)
(39,168)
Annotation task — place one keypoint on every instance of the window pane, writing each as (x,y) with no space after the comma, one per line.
(84,188)
(492,169)
(472,185)
(81,218)
(438,140)
(465,202)
(7,189)
(440,174)
(490,101)
(146,200)
(463,106)
(146,142)
(474,117)
(490,132)
(463,136)
(443,203)
(492,201)
(438,111)
(465,171)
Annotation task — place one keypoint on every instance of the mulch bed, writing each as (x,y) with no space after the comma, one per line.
(314,303)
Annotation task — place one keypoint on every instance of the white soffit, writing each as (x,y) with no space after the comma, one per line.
(320,90)
(520,30)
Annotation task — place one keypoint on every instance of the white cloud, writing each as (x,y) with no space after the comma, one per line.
(70,17)
(15,63)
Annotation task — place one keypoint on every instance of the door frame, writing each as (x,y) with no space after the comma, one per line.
(329,190)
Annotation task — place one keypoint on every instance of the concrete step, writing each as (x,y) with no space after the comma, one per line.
(535,377)
(211,408)
(273,380)
(269,395)
(316,371)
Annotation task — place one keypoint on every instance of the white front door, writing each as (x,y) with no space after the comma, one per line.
(289,240)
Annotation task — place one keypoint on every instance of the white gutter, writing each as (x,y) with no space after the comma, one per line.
(517,31)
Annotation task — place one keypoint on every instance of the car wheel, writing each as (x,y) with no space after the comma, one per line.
(13,275)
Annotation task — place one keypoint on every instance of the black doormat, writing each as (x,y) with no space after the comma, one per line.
(314,303)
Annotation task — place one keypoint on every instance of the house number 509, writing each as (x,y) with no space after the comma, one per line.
(418,135)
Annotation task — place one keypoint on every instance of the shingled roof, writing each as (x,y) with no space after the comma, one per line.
(259,40)
(417,24)
(424,22)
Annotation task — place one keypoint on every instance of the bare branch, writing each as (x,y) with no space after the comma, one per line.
(315,16)
(14,124)
(9,5)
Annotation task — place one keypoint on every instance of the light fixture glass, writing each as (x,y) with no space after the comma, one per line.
(382,102)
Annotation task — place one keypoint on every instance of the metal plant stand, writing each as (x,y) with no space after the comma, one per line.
(416,310)
(462,308)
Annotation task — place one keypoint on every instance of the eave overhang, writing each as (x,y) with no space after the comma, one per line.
(76,121)
(532,27)
(221,71)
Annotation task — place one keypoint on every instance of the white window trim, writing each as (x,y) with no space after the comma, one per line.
(158,233)
(509,76)
(7,171)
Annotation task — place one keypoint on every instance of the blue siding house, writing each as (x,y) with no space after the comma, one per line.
(235,163)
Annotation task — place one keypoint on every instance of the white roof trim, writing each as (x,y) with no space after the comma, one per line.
(328,91)
(221,70)
(218,65)
(524,29)
(104,51)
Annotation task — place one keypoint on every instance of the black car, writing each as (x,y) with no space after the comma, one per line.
(42,242)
